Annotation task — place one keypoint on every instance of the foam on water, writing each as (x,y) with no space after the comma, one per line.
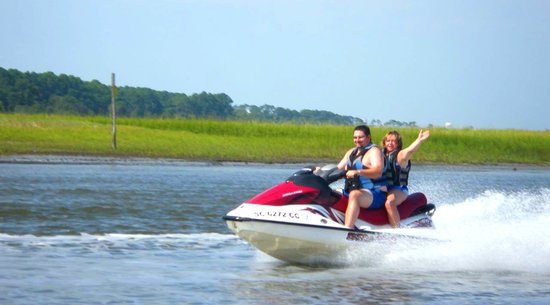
(492,231)
(118,241)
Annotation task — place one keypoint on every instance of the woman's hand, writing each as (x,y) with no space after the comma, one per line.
(423,135)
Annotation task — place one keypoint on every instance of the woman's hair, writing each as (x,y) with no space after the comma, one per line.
(397,137)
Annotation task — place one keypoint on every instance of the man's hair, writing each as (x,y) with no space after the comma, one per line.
(363,128)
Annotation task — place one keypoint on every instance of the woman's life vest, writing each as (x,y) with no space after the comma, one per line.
(397,175)
(355,162)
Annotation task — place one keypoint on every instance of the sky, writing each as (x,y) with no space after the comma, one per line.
(481,64)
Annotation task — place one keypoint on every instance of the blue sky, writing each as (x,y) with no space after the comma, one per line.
(482,64)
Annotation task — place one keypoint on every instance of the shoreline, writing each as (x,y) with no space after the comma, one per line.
(69,159)
(120,160)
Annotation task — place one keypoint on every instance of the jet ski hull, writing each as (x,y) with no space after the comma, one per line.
(293,243)
(307,243)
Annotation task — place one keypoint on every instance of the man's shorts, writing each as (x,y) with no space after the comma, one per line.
(378,198)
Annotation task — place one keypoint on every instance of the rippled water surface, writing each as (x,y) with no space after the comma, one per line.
(105,231)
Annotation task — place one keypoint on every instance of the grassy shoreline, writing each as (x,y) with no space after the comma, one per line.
(230,141)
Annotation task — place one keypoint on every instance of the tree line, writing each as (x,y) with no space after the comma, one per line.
(30,92)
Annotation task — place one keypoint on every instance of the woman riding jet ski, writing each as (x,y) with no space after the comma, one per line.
(301,220)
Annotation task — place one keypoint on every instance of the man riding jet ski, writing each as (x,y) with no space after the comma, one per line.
(301,220)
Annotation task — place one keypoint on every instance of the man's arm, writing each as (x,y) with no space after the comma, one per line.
(342,163)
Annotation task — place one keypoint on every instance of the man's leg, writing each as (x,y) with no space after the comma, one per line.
(357,199)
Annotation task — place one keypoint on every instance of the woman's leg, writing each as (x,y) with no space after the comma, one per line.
(395,198)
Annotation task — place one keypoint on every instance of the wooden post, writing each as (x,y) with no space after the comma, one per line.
(113,110)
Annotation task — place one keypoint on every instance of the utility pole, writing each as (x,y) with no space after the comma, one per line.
(113,110)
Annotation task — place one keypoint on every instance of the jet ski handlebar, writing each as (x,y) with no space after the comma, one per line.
(329,173)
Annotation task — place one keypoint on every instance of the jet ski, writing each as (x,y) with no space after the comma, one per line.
(301,220)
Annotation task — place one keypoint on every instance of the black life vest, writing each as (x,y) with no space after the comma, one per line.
(396,174)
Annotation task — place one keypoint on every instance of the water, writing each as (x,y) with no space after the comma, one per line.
(107,231)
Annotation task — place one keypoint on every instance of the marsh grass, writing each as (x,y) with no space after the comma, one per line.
(253,141)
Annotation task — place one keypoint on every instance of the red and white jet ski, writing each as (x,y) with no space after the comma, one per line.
(301,220)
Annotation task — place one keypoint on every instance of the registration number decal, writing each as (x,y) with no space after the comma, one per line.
(280,214)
